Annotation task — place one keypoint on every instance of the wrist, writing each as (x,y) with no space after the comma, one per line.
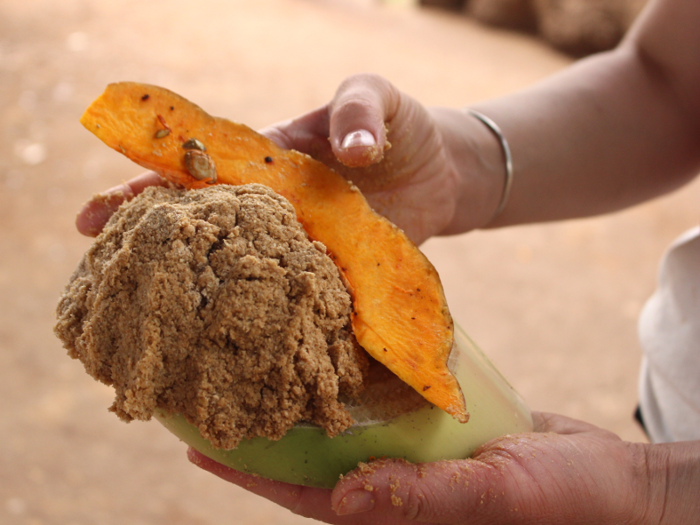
(476,157)
(671,476)
(507,159)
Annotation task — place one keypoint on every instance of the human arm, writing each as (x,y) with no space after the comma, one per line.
(613,130)
(609,132)
(567,472)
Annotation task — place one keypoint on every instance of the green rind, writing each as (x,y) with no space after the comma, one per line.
(307,456)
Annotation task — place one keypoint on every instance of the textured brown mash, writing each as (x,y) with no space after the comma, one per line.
(215,304)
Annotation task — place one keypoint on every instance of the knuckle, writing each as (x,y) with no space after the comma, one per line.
(354,106)
(363,79)
(416,505)
(298,504)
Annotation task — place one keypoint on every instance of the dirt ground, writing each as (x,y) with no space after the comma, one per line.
(554,306)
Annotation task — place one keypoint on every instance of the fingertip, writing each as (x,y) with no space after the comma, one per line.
(205,463)
(307,501)
(95,213)
(194,456)
(87,224)
(359,148)
(249,481)
(358,113)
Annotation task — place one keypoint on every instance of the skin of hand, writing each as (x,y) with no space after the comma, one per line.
(96,212)
(410,162)
(566,472)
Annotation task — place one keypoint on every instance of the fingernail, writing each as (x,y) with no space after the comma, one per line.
(359,138)
(356,501)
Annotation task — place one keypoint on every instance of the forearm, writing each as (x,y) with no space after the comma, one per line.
(607,133)
(601,137)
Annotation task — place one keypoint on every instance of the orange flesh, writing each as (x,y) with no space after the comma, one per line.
(400,312)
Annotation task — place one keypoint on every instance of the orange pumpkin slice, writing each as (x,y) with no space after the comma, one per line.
(400,312)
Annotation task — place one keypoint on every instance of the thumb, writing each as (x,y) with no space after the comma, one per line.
(462,491)
(358,112)
(518,479)
(584,475)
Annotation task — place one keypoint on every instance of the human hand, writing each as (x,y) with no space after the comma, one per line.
(566,472)
(407,160)
(96,212)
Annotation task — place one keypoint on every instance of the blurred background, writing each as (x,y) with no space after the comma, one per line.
(554,306)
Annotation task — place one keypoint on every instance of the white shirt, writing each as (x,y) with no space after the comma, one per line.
(669,332)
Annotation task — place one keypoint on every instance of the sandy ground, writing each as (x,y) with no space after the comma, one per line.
(553,305)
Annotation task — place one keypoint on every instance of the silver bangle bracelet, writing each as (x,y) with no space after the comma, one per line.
(506,152)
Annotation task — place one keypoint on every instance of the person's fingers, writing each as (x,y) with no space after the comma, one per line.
(96,212)
(351,129)
(304,501)
(362,105)
(306,133)
(445,492)
(539,477)
(284,494)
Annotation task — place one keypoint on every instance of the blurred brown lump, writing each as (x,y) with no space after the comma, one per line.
(214,304)
(577,27)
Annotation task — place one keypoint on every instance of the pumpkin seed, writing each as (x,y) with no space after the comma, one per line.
(200,166)
(194,144)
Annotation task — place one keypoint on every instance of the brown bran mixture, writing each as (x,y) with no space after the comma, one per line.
(215,304)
